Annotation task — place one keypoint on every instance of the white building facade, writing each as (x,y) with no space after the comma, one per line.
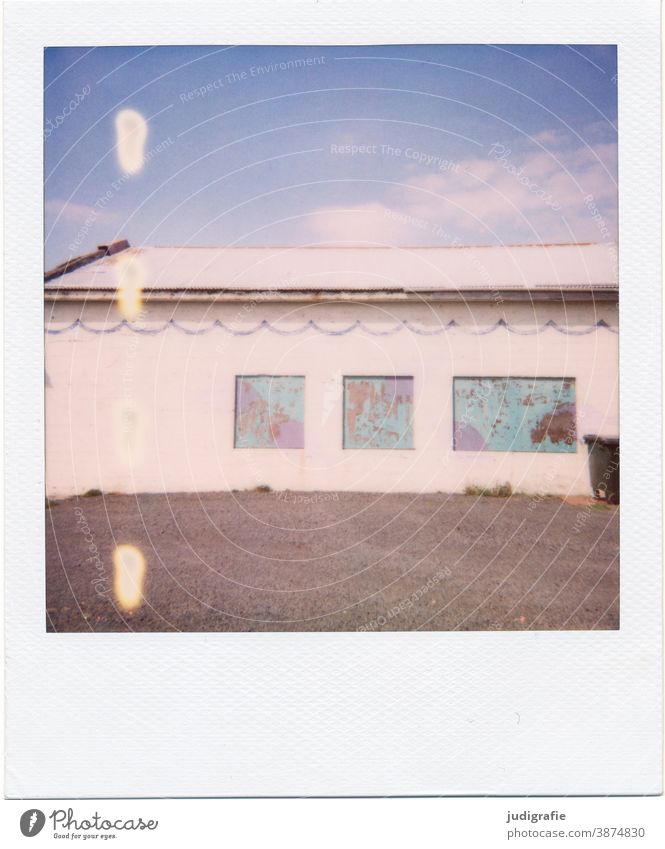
(364,369)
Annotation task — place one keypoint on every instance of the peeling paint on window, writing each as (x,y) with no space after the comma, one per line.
(378,412)
(270,411)
(514,414)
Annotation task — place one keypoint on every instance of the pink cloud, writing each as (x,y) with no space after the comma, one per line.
(76,213)
(502,197)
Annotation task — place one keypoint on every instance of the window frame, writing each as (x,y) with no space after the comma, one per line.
(237,378)
(535,450)
(368,446)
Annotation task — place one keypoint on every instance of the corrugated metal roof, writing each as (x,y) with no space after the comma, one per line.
(284,269)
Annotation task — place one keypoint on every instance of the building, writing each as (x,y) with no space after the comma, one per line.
(325,368)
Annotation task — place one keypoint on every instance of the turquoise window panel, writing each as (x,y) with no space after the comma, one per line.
(270,411)
(515,414)
(378,412)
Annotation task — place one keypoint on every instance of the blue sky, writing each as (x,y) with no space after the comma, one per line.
(398,145)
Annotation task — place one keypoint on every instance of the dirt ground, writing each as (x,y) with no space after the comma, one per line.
(264,561)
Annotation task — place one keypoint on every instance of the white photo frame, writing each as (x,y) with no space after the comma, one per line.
(324,714)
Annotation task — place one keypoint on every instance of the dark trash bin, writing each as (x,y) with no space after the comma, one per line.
(604,466)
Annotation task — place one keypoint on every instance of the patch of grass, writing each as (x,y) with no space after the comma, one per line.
(500,490)
(92,493)
(263,487)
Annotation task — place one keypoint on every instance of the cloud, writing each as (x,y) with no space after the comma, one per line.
(370,223)
(550,138)
(74,213)
(505,196)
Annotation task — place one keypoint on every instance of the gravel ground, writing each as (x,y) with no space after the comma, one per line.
(263,561)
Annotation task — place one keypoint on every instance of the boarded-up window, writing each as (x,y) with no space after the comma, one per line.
(378,412)
(514,414)
(270,411)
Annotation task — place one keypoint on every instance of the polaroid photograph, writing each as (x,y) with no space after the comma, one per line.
(318,361)
(326,348)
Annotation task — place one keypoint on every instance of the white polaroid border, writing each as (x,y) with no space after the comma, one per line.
(506,713)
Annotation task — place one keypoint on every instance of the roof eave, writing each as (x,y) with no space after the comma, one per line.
(306,295)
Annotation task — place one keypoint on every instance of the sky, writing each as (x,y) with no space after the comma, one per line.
(425,145)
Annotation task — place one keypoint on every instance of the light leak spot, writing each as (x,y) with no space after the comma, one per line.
(129,428)
(129,574)
(130,280)
(131,133)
